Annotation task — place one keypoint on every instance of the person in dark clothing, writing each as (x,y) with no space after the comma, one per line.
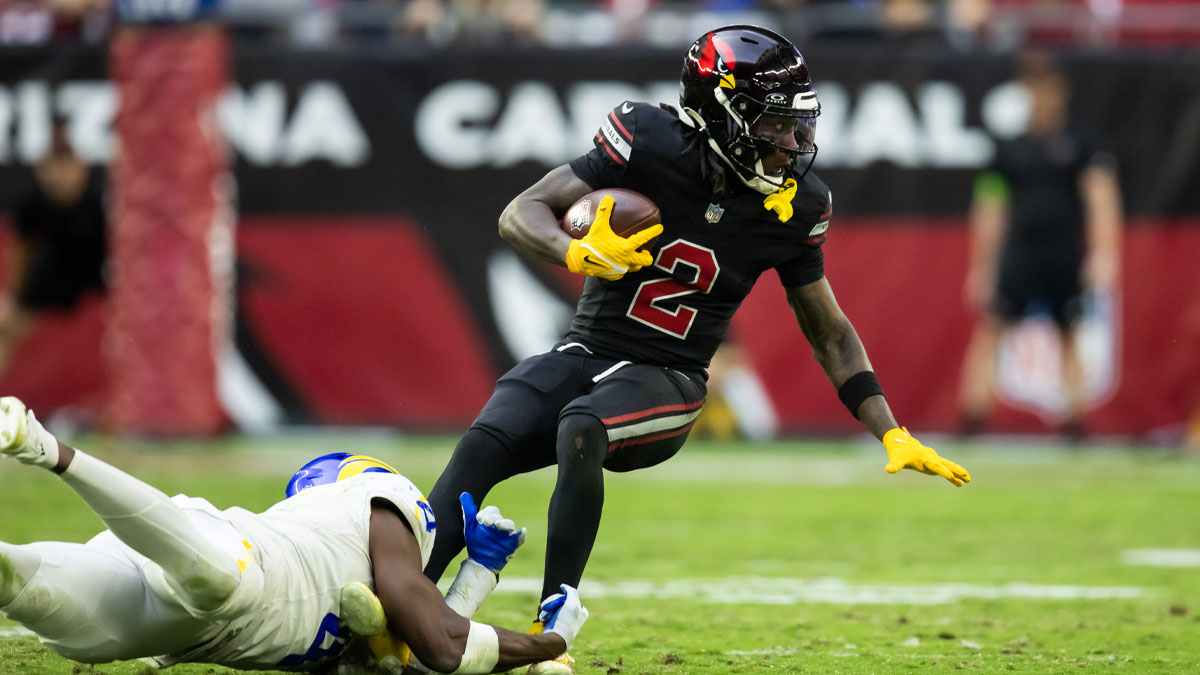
(1046,228)
(58,252)
(729,173)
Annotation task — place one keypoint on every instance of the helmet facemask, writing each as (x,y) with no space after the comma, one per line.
(737,78)
(749,143)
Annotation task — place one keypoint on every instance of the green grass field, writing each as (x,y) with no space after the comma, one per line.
(790,557)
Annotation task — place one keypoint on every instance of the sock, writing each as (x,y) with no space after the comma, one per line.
(151,524)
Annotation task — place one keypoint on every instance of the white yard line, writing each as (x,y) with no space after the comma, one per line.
(15,631)
(1162,557)
(773,651)
(769,591)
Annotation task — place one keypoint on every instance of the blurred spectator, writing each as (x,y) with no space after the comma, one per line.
(40,21)
(475,22)
(25,22)
(427,20)
(967,22)
(896,22)
(58,253)
(81,20)
(522,19)
(910,21)
(1045,228)
(905,16)
(318,25)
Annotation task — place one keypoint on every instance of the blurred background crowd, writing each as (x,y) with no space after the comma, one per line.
(259,170)
(963,24)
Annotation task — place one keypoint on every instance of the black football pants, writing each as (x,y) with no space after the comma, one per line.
(581,412)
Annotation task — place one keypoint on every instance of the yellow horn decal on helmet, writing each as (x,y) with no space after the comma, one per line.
(356,464)
(727,81)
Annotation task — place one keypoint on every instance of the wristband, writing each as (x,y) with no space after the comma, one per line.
(470,588)
(858,388)
(482,651)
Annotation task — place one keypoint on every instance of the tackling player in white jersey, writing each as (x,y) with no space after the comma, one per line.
(176,579)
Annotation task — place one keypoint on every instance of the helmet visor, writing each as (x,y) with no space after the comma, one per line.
(784,143)
(806,135)
(789,133)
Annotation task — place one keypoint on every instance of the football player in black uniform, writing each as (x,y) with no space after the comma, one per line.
(729,173)
(58,254)
(1045,228)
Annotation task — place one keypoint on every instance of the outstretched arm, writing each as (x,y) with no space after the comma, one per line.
(418,615)
(837,347)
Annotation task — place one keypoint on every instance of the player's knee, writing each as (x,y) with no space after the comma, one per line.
(582,437)
(645,457)
(206,587)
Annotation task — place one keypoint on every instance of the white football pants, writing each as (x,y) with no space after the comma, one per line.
(92,602)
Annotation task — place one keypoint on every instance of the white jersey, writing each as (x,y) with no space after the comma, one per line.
(295,558)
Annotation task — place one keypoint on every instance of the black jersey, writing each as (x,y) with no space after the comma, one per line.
(66,246)
(1045,201)
(75,231)
(675,312)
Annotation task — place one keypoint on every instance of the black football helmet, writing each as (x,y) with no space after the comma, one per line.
(732,77)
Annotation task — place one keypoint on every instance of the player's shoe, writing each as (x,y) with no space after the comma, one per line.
(23,438)
(362,614)
(361,611)
(563,665)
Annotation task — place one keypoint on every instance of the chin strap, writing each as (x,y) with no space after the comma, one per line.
(781,201)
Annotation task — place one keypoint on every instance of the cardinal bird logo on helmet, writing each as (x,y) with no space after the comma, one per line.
(735,78)
(717,58)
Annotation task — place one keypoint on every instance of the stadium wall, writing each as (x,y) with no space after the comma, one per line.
(372,288)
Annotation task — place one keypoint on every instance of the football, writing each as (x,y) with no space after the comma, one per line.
(632,212)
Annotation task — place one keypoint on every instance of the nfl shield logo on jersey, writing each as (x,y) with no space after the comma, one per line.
(714,213)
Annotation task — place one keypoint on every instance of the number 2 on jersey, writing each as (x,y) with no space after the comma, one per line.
(647,302)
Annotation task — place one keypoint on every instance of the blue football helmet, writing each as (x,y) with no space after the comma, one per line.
(334,467)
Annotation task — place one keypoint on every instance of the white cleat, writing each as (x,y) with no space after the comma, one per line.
(23,438)
(361,612)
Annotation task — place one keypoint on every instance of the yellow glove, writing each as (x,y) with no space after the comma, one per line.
(602,253)
(906,452)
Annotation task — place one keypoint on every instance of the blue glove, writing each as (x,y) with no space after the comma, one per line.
(491,538)
(562,613)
